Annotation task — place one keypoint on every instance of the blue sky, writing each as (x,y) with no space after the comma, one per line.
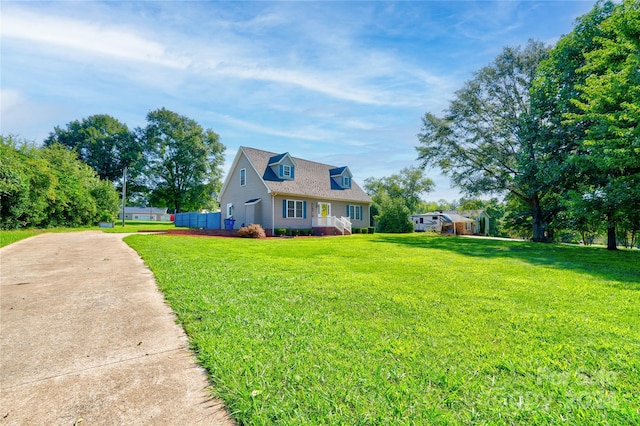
(343,83)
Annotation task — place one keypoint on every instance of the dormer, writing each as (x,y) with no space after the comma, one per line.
(341,177)
(283,166)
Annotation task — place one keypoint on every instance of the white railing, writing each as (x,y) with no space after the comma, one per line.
(341,223)
(346,224)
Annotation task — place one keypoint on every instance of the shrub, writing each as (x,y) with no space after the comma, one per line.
(280,231)
(252,231)
(395,219)
(371,230)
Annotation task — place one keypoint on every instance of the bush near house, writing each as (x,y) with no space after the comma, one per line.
(252,231)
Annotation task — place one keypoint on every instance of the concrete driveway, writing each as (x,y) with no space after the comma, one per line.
(86,338)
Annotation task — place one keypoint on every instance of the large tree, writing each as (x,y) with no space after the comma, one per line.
(102,142)
(183,160)
(397,196)
(553,93)
(405,187)
(609,109)
(488,140)
(45,187)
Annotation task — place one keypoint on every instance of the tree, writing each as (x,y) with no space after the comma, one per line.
(553,94)
(79,197)
(394,216)
(396,197)
(609,109)
(102,142)
(45,187)
(183,160)
(404,188)
(488,139)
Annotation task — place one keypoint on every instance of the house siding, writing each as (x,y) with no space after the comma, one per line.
(338,208)
(309,178)
(238,195)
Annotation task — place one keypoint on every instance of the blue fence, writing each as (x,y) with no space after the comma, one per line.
(199,220)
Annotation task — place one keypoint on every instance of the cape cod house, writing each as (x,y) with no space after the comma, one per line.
(280,191)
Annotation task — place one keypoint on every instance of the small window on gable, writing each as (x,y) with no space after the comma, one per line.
(286,171)
(346,182)
(243,177)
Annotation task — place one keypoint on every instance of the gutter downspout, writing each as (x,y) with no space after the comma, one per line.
(273,214)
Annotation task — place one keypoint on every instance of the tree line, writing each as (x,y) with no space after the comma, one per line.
(553,130)
(75,178)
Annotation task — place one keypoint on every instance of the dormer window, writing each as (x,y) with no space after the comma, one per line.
(341,178)
(283,166)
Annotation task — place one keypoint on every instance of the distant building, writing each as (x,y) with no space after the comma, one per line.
(146,213)
(472,222)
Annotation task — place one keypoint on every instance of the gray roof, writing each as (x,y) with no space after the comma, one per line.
(469,213)
(311,179)
(449,216)
(145,210)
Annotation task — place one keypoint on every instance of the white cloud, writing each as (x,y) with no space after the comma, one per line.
(338,69)
(26,117)
(11,98)
(88,37)
(310,133)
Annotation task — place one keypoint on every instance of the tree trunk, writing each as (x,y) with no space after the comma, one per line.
(611,234)
(537,221)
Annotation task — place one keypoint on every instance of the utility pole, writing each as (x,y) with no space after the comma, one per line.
(124,191)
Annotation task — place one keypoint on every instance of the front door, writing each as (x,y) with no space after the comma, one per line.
(324,209)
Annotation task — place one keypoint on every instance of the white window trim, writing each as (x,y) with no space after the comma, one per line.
(355,212)
(229,210)
(295,209)
(243,177)
(286,171)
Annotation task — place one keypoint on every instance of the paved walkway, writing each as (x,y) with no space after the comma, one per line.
(86,338)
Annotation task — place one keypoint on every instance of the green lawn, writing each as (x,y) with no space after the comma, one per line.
(408,329)
(8,237)
(139,225)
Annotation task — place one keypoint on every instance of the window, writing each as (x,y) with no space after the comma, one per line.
(229,210)
(346,182)
(354,212)
(286,171)
(294,209)
(467,226)
(243,177)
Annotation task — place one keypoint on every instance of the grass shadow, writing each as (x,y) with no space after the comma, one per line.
(621,265)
